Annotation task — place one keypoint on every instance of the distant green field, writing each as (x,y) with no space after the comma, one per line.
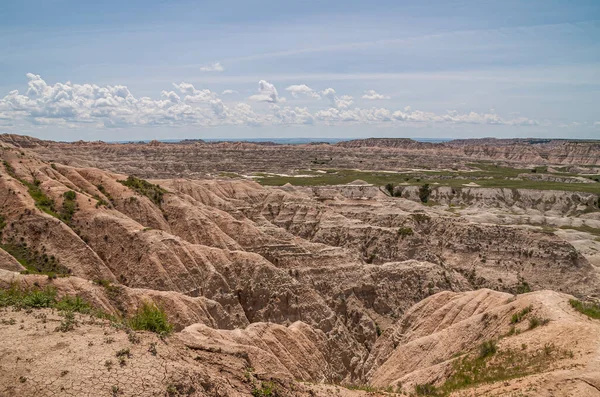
(495,176)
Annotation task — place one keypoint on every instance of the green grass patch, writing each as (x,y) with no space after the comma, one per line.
(498,366)
(38,298)
(145,188)
(590,309)
(584,228)
(150,317)
(485,175)
(42,201)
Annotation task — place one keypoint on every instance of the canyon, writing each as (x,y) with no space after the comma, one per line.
(442,269)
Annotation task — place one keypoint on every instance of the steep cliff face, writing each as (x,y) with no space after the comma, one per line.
(514,150)
(544,201)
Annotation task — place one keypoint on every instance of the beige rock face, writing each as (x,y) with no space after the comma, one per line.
(322,285)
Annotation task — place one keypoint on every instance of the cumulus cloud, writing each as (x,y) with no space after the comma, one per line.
(343,102)
(372,95)
(213,67)
(229,92)
(302,89)
(266,93)
(70,105)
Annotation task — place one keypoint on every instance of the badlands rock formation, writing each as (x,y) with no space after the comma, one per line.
(302,289)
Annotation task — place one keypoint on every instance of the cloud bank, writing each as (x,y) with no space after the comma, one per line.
(76,105)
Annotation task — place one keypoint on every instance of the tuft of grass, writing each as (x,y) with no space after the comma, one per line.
(517,317)
(590,309)
(145,188)
(27,297)
(535,322)
(150,317)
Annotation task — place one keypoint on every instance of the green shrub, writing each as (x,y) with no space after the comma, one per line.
(424,192)
(523,288)
(405,231)
(487,348)
(150,317)
(426,389)
(535,322)
(517,317)
(266,389)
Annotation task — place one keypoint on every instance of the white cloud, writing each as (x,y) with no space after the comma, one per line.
(266,93)
(343,102)
(213,67)
(229,92)
(372,95)
(302,89)
(69,105)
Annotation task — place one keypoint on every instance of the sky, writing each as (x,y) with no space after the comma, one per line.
(129,70)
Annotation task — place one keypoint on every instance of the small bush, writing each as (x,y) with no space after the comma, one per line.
(487,349)
(523,288)
(68,322)
(517,317)
(535,322)
(424,192)
(266,389)
(150,317)
(426,389)
(405,231)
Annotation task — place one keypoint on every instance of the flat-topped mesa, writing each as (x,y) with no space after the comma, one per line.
(404,143)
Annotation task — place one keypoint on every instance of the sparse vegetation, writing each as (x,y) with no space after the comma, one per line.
(405,231)
(145,188)
(42,201)
(265,389)
(150,317)
(522,288)
(535,322)
(426,389)
(9,169)
(68,322)
(69,206)
(424,192)
(590,309)
(487,349)
(517,317)
(33,261)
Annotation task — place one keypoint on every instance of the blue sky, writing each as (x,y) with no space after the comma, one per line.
(156,69)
